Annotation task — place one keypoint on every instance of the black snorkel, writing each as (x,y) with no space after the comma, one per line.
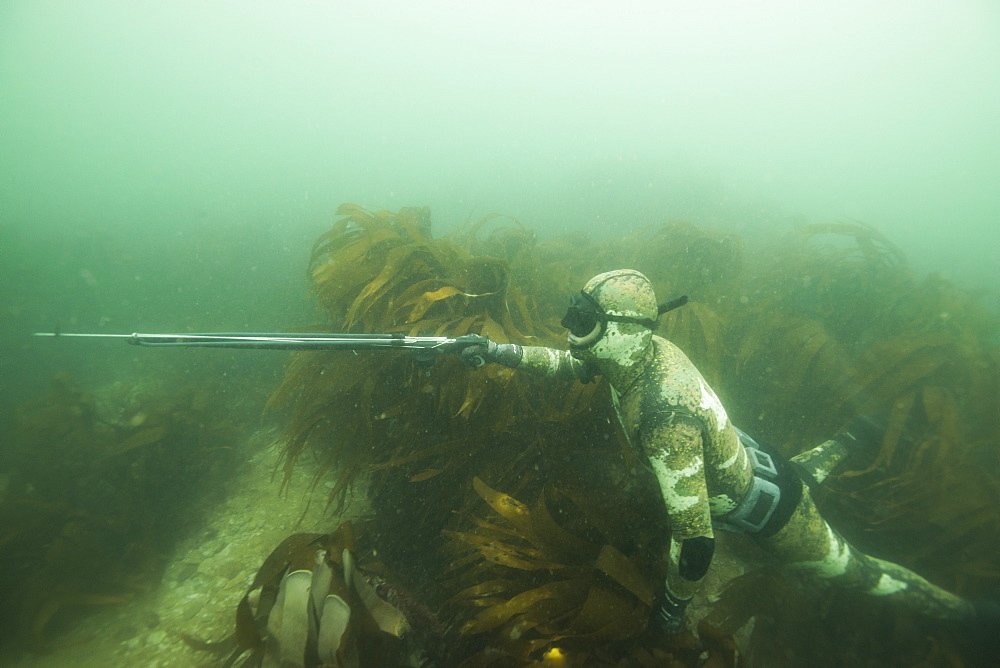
(584,313)
(672,304)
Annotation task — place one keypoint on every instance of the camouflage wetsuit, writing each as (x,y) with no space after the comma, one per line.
(672,416)
(703,470)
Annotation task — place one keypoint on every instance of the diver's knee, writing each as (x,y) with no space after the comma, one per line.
(696,557)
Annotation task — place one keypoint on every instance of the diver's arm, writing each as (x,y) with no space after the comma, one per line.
(549,362)
(554,364)
(674,448)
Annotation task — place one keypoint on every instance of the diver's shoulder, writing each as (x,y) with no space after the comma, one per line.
(673,374)
(670,357)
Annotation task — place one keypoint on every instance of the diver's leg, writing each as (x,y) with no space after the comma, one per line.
(823,459)
(863,435)
(809,544)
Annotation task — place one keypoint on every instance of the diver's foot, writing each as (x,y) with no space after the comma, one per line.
(668,615)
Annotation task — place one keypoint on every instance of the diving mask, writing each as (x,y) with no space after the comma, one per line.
(583,316)
(585,320)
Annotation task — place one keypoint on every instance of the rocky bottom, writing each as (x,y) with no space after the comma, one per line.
(205,578)
(212,569)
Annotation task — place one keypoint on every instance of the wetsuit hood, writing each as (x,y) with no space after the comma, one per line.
(611,324)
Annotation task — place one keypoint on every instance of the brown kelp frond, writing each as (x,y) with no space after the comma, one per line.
(544,581)
(795,365)
(681,258)
(846,275)
(319,600)
(700,333)
(534,592)
(395,274)
(384,272)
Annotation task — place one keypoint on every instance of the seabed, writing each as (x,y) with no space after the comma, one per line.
(206,576)
(211,570)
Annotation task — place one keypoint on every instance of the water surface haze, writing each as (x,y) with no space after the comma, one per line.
(170,163)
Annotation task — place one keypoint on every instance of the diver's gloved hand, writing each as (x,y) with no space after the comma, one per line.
(487,351)
(668,614)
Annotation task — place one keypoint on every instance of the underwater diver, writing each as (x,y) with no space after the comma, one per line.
(711,475)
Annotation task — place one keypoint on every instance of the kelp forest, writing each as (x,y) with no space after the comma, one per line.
(512,507)
(508,523)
